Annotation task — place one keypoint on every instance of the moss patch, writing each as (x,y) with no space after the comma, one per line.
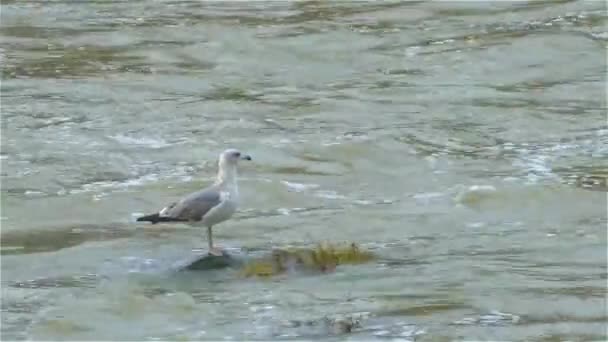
(322,258)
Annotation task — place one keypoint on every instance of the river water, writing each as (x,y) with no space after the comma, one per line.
(464,143)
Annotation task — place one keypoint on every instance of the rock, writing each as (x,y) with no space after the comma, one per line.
(210,262)
(321,258)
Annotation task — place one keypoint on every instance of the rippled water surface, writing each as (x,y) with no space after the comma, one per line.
(464,143)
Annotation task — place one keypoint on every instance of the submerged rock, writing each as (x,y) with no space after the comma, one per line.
(338,325)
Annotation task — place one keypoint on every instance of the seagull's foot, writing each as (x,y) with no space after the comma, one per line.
(215,251)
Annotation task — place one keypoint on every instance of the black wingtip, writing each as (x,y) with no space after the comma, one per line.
(155,218)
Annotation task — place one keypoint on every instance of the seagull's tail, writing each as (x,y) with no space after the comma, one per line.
(155,218)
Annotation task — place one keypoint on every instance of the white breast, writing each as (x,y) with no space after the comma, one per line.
(223,211)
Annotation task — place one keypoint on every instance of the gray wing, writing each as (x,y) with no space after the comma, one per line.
(194,206)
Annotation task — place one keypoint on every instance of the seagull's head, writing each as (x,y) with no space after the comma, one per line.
(232,156)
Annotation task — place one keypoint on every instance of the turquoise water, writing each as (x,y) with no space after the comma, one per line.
(462,142)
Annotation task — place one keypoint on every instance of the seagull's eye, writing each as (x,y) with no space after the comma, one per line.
(237,154)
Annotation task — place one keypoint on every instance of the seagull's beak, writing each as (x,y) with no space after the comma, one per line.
(246,157)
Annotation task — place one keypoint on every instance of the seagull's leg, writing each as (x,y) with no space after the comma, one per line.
(209,238)
(212,250)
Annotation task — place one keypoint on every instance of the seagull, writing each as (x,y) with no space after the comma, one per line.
(210,206)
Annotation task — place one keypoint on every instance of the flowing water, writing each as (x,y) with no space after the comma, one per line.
(464,143)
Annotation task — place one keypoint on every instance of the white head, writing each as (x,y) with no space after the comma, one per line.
(231,157)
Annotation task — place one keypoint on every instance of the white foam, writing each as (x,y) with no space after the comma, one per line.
(154,143)
(536,166)
(116,184)
(299,187)
(34,193)
(427,197)
(283,211)
(329,194)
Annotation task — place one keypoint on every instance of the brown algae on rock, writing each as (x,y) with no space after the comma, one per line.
(322,258)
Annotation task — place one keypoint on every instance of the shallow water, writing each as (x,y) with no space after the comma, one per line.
(463,143)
